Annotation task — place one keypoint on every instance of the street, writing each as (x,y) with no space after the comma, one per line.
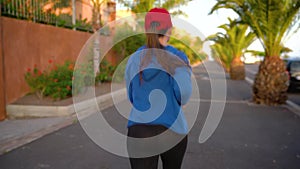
(249,136)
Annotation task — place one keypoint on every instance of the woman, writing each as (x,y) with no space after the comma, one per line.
(158,80)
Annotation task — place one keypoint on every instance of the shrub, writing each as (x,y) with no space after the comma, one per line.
(106,72)
(83,76)
(127,41)
(190,45)
(55,81)
(37,81)
(60,81)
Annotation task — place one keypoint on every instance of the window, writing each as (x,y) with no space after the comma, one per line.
(295,66)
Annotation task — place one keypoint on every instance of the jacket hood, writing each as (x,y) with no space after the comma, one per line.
(151,73)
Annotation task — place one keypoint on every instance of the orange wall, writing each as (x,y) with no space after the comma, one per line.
(26,43)
(2,91)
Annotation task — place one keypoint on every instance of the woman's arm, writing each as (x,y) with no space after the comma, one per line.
(128,80)
(182,84)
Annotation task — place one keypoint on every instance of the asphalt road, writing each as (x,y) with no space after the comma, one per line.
(294,95)
(248,136)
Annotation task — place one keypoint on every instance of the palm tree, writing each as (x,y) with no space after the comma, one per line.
(240,41)
(221,47)
(272,21)
(139,6)
(237,41)
(96,18)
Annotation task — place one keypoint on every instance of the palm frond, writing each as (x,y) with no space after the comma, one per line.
(270,20)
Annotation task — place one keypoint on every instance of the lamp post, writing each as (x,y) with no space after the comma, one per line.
(96,49)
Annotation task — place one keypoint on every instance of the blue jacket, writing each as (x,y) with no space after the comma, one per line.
(158,98)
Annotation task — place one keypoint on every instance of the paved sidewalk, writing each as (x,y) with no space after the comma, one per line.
(15,133)
(18,132)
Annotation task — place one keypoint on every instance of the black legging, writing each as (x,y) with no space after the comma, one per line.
(171,159)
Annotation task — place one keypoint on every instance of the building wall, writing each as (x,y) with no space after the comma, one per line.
(84,10)
(2,83)
(26,44)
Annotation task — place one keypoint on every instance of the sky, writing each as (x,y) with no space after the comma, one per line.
(197,11)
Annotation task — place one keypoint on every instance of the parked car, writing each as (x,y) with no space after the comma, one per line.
(293,70)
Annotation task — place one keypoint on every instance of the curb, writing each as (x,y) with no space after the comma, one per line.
(293,107)
(15,142)
(106,100)
(37,111)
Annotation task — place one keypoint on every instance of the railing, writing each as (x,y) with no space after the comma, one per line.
(53,12)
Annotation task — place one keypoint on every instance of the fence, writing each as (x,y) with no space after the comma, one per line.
(53,12)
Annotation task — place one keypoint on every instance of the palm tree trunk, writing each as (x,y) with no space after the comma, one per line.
(237,69)
(270,82)
(225,66)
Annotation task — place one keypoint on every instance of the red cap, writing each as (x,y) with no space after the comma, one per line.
(160,15)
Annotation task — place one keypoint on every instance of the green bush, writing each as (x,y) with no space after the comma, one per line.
(55,81)
(59,81)
(193,55)
(192,46)
(130,41)
(83,76)
(60,84)
(106,72)
(180,39)
(37,81)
